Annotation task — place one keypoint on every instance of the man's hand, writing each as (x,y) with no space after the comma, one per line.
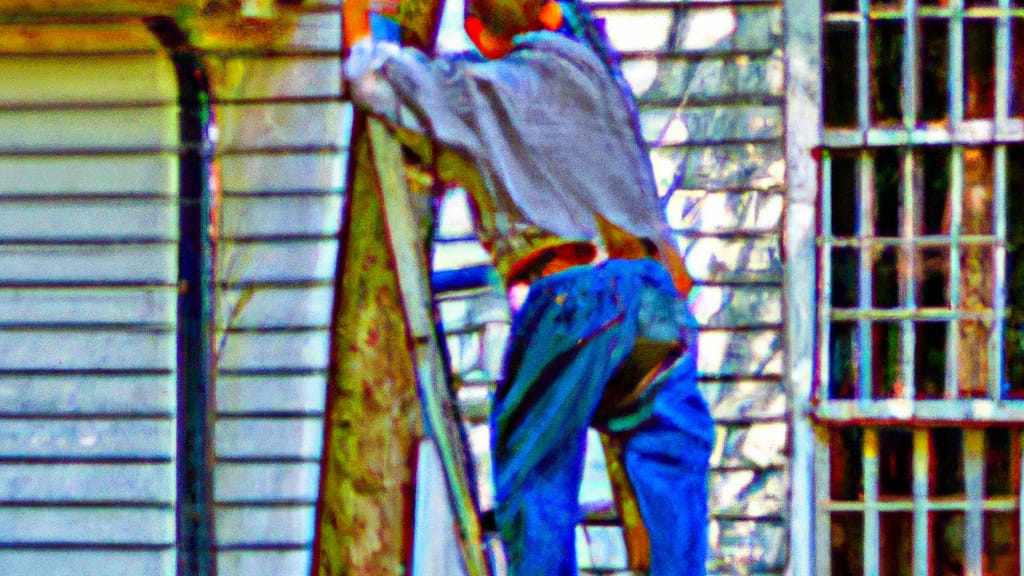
(355,21)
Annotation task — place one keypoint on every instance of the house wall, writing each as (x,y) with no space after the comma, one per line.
(710,80)
(280,159)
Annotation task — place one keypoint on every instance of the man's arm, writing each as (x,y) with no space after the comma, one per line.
(355,22)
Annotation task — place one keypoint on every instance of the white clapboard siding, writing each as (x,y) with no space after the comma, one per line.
(282,161)
(88,273)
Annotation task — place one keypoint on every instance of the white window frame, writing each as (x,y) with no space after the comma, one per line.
(807,312)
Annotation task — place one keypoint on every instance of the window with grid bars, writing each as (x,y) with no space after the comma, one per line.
(920,368)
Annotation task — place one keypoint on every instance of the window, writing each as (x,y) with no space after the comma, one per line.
(917,380)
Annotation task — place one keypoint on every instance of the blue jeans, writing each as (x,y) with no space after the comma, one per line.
(573,331)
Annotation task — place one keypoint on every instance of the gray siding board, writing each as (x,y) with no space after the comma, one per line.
(88,220)
(249,562)
(739,307)
(267,483)
(274,307)
(296,172)
(698,212)
(146,175)
(744,401)
(733,260)
(304,77)
(693,125)
(277,125)
(87,439)
(726,166)
(111,305)
(124,526)
(710,79)
(97,349)
(747,546)
(284,260)
(262,526)
(749,493)
(256,217)
(105,263)
(241,395)
(300,349)
(87,562)
(269,438)
(72,394)
(70,129)
(75,483)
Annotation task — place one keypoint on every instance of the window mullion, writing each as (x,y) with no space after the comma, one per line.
(1017,467)
(974,479)
(956,187)
(872,531)
(922,455)
(996,356)
(910,226)
(910,63)
(956,65)
(864,67)
(1003,65)
(823,513)
(825,260)
(866,229)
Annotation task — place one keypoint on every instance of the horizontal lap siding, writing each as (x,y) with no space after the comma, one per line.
(709,79)
(88,284)
(281,156)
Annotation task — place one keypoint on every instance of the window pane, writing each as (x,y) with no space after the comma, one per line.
(885,289)
(842,361)
(886,70)
(847,463)
(1013,344)
(977,191)
(844,195)
(895,462)
(841,5)
(947,542)
(840,83)
(1017,68)
(979,61)
(1002,462)
(888,200)
(934,69)
(1002,553)
(844,277)
(897,543)
(973,358)
(946,472)
(886,346)
(933,277)
(847,544)
(934,165)
(930,359)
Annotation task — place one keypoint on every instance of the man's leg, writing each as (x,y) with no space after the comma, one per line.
(539,423)
(666,458)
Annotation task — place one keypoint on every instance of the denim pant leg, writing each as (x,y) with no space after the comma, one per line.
(666,458)
(555,380)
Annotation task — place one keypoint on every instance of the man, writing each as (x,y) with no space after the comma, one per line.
(570,214)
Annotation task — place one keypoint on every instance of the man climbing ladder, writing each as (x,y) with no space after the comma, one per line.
(569,213)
